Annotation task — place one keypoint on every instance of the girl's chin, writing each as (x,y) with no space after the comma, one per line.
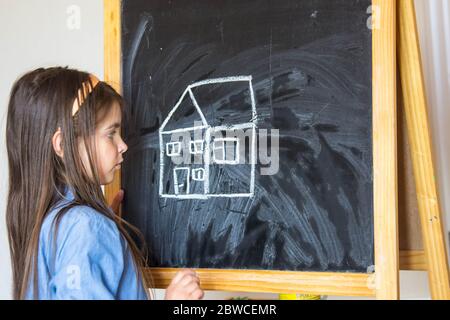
(108,179)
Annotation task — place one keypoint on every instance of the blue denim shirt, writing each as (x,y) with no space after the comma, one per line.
(91,259)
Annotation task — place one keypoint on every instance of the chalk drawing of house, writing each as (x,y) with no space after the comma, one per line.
(224,163)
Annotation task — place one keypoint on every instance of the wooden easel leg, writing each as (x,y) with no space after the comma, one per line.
(415,106)
(385,151)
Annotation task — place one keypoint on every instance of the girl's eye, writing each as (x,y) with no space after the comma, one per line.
(111,134)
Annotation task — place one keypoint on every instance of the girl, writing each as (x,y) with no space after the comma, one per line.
(63,143)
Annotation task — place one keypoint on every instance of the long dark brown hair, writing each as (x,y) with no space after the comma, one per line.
(41,102)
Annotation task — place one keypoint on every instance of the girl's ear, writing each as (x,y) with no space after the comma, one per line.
(57,143)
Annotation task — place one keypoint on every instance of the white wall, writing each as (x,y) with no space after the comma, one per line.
(433,21)
(36,33)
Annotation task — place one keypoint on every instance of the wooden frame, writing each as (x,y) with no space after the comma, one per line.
(385,149)
(112,67)
(384,282)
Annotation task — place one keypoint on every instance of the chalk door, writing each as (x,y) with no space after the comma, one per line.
(181,180)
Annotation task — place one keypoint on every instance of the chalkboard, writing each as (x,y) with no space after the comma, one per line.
(295,77)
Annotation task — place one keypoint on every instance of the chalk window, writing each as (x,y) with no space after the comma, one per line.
(197,146)
(173,149)
(198,174)
(226,151)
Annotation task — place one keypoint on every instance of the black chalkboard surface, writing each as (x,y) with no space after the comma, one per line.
(249,126)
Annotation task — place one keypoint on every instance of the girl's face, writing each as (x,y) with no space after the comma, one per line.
(109,146)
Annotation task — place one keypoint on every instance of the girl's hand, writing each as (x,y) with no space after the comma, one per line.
(184,286)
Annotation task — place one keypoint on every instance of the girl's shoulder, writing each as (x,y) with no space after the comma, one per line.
(79,214)
(80,221)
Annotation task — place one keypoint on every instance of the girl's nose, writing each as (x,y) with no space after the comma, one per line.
(122,146)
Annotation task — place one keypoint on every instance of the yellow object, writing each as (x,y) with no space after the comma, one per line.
(298,296)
